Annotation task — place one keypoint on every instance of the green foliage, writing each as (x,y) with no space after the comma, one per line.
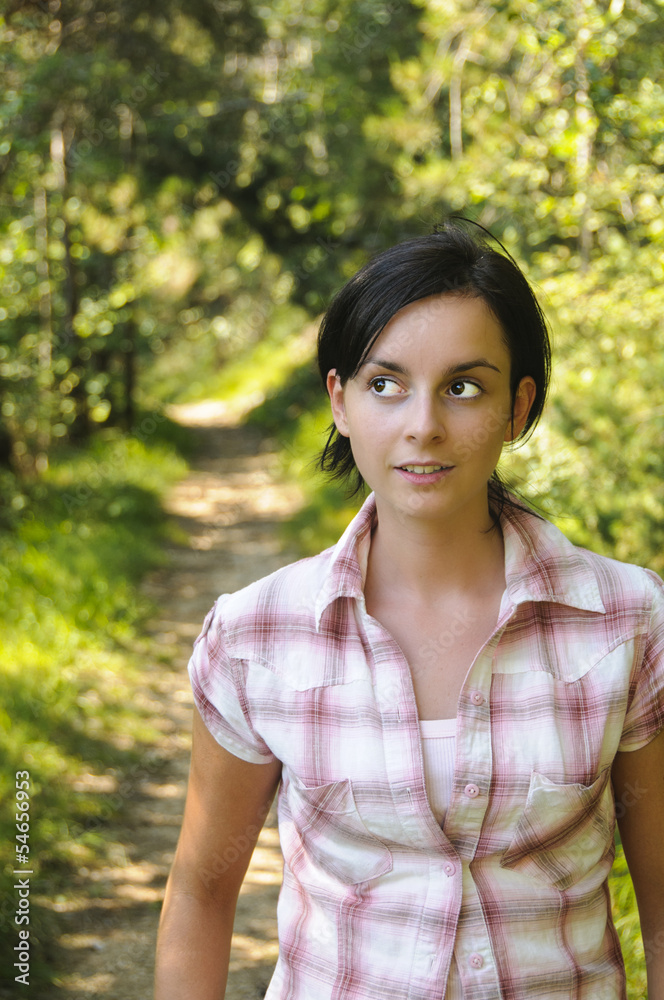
(596,463)
(170,180)
(626,918)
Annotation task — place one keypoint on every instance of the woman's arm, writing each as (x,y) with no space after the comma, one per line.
(227,802)
(638,783)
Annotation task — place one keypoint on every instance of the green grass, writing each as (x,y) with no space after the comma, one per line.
(73,549)
(626,918)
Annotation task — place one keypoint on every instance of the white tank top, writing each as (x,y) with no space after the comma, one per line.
(438,750)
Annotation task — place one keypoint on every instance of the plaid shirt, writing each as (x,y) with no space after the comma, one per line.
(377,899)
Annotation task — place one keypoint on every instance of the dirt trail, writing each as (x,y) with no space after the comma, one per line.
(230,507)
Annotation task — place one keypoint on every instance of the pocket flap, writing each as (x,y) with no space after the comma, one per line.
(332,833)
(564,831)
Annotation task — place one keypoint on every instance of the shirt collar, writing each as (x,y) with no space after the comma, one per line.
(541,564)
(346,572)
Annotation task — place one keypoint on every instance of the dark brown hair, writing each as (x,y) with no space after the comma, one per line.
(449,261)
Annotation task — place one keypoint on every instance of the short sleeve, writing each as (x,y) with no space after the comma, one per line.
(645,716)
(218,685)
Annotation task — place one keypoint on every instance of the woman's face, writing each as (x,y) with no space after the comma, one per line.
(429,410)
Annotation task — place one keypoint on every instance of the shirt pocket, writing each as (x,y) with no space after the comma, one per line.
(332,835)
(564,831)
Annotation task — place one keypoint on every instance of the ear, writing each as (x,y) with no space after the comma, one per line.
(524,398)
(336,393)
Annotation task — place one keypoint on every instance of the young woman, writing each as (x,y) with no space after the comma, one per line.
(452,700)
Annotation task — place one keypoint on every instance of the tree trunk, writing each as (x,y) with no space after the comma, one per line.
(45,349)
(80,428)
(6,439)
(129,364)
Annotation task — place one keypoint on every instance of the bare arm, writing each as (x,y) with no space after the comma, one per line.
(227,802)
(638,782)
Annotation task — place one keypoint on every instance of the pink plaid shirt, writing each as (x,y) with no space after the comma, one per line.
(377,899)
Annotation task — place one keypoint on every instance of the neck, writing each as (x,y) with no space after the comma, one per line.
(434,560)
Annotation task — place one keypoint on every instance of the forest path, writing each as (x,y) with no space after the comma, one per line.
(230,507)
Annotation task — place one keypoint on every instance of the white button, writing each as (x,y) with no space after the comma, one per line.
(477,698)
(476,961)
(449,868)
(472,791)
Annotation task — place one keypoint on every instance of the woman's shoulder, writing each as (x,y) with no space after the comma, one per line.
(284,610)
(281,601)
(624,585)
(553,563)
(568,567)
(291,588)
(304,587)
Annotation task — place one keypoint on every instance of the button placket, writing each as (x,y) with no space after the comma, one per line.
(472,950)
(401,741)
(473,764)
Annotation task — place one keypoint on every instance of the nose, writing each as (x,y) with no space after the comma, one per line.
(425,419)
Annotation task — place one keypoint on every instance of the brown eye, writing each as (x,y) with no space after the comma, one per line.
(464,389)
(384,386)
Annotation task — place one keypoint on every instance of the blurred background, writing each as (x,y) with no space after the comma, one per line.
(182,188)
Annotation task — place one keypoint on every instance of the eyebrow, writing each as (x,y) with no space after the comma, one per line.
(463,366)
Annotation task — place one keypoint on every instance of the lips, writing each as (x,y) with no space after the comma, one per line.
(423,468)
(425,473)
